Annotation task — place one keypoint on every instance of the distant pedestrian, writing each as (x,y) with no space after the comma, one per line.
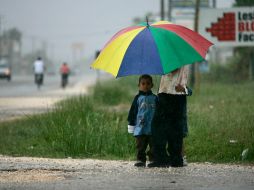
(64,70)
(169,126)
(140,118)
(39,69)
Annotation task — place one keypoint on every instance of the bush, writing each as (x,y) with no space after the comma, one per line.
(234,71)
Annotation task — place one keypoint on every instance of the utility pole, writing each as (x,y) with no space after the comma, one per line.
(33,44)
(162,9)
(170,10)
(195,77)
(1,35)
(196,15)
(251,55)
(214,4)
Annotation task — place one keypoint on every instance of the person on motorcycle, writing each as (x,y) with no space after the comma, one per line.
(39,71)
(64,70)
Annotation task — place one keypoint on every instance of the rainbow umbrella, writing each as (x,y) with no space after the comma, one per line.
(157,49)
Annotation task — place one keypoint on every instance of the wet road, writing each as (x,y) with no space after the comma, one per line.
(20,96)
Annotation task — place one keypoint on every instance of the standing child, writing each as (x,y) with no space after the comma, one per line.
(140,118)
(170,120)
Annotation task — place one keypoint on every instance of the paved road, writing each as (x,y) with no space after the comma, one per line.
(87,174)
(21,96)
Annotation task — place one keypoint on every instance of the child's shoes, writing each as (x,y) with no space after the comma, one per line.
(158,165)
(185,163)
(140,164)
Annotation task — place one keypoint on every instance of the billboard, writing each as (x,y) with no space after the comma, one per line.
(189,3)
(184,17)
(228,27)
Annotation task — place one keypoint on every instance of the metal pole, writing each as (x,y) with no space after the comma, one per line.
(1,35)
(251,64)
(169,10)
(162,9)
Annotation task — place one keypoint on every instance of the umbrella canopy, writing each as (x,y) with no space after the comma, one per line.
(158,48)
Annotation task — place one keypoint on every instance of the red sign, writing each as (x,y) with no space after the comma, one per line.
(224,28)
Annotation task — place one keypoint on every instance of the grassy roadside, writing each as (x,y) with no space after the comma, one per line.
(221,125)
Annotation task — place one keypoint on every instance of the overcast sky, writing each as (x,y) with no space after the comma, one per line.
(61,23)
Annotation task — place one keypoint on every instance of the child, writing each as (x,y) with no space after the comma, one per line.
(140,117)
(170,121)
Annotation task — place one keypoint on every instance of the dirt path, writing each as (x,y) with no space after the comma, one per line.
(42,173)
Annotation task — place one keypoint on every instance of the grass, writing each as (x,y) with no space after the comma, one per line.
(219,114)
(95,126)
(74,129)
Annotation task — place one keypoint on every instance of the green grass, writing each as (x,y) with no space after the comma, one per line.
(74,129)
(95,126)
(220,113)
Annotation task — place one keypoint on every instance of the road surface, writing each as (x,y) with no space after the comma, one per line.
(20,97)
(87,174)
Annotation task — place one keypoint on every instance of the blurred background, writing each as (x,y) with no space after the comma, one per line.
(220,112)
(67,31)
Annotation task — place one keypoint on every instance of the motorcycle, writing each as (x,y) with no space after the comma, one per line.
(38,80)
(64,80)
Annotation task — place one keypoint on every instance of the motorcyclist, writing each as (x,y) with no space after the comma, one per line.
(64,70)
(39,71)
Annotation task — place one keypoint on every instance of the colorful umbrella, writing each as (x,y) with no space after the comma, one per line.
(158,48)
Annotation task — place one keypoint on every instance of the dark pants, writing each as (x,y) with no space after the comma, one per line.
(142,142)
(38,78)
(64,81)
(167,128)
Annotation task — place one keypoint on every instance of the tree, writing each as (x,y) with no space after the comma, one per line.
(240,3)
(14,34)
(10,37)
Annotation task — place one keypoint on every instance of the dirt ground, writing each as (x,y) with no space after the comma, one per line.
(42,173)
